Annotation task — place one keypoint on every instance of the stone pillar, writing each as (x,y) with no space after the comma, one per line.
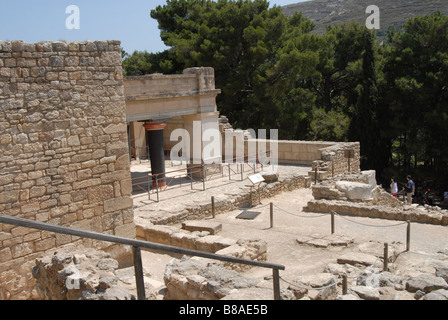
(197,125)
(154,138)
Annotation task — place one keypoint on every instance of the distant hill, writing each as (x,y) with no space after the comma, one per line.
(393,13)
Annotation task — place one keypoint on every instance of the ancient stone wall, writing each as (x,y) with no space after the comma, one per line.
(342,157)
(63,149)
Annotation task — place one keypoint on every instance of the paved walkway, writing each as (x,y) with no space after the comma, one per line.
(175,198)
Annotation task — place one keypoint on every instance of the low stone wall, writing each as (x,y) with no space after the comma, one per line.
(358,194)
(431,215)
(223,204)
(203,241)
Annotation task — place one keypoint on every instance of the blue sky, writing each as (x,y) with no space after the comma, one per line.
(128,21)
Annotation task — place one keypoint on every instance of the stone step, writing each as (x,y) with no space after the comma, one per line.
(210,226)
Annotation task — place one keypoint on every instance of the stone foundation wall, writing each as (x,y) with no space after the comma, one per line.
(333,160)
(428,215)
(203,241)
(63,149)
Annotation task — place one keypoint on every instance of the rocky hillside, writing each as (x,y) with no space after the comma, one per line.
(392,13)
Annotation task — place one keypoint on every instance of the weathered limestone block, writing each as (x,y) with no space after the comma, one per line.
(211,227)
(321,286)
(365,293)
(425,283)
(359,258)
(355,190)
(78,274)
(195,279)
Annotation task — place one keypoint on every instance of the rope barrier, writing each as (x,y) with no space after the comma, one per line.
(294,214)
(370,225)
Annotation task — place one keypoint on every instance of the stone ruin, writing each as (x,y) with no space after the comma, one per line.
(63,150)
(358,194)
(76,273)
(64,159)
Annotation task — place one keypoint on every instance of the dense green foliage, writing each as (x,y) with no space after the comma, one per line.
(342,86)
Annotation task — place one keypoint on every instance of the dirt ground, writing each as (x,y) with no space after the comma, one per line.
(290,222)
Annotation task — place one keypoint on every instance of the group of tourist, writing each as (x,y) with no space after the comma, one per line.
(410,192)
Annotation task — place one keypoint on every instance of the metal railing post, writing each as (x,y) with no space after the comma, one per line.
(203,177)
(138,269)
(157,188)
(276,280)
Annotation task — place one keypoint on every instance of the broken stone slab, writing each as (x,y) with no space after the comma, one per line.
(324,241)
(426,283)
(403,295)
(348,297)
(376,248)
(321,286)
(355,190)
(440,294)
(341,269)
(366,293)
(359,258)
(209,226)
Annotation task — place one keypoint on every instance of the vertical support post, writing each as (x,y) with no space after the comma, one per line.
(213,206)
(408,236)
(242,173)
(386,256)
(315,175)
(272,214)
(138,269)
(332,222)
(229,171)
(344,284)
(129,142)
(276,279)
(149,188)
(157,188)
(203,177)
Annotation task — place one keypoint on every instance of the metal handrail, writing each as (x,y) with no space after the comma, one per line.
(137,244)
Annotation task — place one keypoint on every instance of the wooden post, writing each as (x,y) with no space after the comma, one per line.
(386,256)
(344,284)
(272,214)
(138,269)
(332,222)
(332,168)
(408,236)
(213,206)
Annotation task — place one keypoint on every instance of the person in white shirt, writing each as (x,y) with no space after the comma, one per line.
(394,188)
